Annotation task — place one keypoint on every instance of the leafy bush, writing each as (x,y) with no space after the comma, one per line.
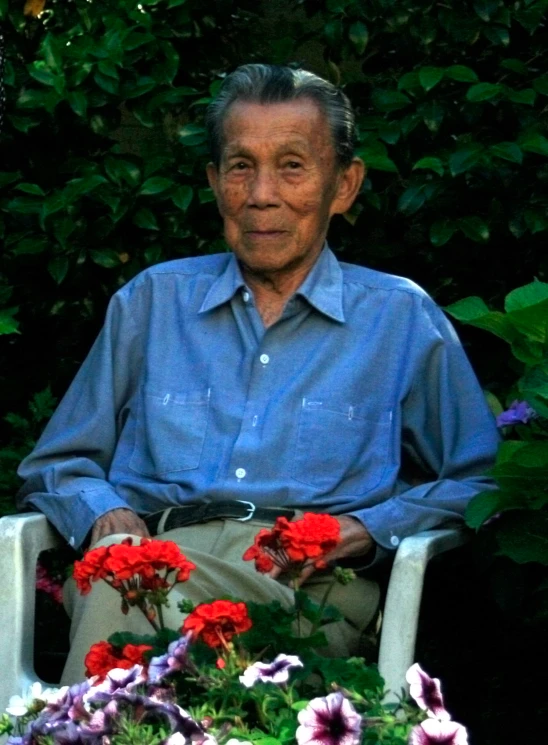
(103,150)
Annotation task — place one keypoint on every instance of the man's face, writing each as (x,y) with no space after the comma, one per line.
(277,184)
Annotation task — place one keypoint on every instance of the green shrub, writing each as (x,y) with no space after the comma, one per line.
(103,150)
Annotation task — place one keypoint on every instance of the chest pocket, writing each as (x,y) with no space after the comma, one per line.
(170,431)
(340,447)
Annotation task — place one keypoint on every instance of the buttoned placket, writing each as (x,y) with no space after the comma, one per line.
(262,380)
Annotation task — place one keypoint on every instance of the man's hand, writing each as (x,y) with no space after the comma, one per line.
(355,541)
(118,521)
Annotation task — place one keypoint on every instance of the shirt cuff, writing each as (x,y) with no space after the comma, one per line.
(74,515)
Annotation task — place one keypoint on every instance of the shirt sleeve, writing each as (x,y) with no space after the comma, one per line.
(66,474)
(448,430)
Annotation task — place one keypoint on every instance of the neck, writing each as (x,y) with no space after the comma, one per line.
(272,290)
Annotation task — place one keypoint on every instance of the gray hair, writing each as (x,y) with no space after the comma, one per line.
(265,84)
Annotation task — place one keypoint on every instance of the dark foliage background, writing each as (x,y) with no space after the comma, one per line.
(102,159)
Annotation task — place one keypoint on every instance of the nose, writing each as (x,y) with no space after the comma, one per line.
(263,189)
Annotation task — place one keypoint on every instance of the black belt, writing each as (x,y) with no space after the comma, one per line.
(202,512)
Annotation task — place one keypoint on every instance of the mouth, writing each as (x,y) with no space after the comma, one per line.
(265,233)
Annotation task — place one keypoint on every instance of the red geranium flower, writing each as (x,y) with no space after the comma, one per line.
(91,568)
(104,657)
(133,570)
(291,545)
(217,622)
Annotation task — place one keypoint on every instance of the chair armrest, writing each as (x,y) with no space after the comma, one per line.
(402,606)
(22,538)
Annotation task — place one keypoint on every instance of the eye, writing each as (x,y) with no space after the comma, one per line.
(239,166)
(293,165)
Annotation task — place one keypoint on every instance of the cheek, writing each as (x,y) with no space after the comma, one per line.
(231,199)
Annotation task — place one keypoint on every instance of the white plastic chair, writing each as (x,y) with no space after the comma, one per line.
(23,537)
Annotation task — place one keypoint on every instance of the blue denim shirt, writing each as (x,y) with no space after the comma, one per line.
(186,396)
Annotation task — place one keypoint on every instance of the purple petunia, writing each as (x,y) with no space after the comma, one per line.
(175,659)
(427,692)
(274,672)
(434,732)
(331,720)
(519,413)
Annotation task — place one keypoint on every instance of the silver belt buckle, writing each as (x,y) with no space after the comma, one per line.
(251,508)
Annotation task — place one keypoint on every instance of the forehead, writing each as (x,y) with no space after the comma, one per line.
(276,126)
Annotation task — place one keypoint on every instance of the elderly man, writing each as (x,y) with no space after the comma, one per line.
(227,390)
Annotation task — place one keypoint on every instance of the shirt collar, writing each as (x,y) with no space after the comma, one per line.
(322,288)
(224,287)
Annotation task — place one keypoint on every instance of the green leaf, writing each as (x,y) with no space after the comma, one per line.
(486,8)
(192,134)
(109,85)
(429,77)
(119,169)
(474,228)
(58,268)
(461,73)
(34,245)
(429,164)
(105,257)
(140,88)
(526,96)
(206,195)
(507,151)
(31,189)
(390,132)
(182,197)
(8,177)
(474,311)
(409,82)
(465,159)
(534,143)
(359,36)
(540,85)
(8,324)
(25,205)
(441,232)
(412,199)
(489,503)
(483,92)
(536,220)
(155,185)
(524,297)
(515,65)
(524,537)
(387,101)
(333,31)
(497,35)
(432,113)
(108,68)
(78,102)
(144,218)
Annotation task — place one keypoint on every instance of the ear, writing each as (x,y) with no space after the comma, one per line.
(213,178)
(349,182)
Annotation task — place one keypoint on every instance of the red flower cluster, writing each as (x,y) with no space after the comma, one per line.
(290,545)
(134,572)
(124,561)
(216,623)
(103,657)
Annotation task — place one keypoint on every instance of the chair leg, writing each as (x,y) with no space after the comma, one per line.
(22,538)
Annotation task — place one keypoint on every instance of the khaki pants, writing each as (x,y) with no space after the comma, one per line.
(216,547)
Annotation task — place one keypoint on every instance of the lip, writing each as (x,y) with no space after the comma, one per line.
(265,233)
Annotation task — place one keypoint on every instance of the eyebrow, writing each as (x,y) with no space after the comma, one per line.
(237,150)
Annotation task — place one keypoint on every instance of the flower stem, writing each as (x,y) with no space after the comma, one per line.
(323,603)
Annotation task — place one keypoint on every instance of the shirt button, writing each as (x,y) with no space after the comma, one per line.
(240,473)
(246,297)
(265,359)
(395,541)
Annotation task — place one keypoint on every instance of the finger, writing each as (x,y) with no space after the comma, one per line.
(275,572)
(306,573)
